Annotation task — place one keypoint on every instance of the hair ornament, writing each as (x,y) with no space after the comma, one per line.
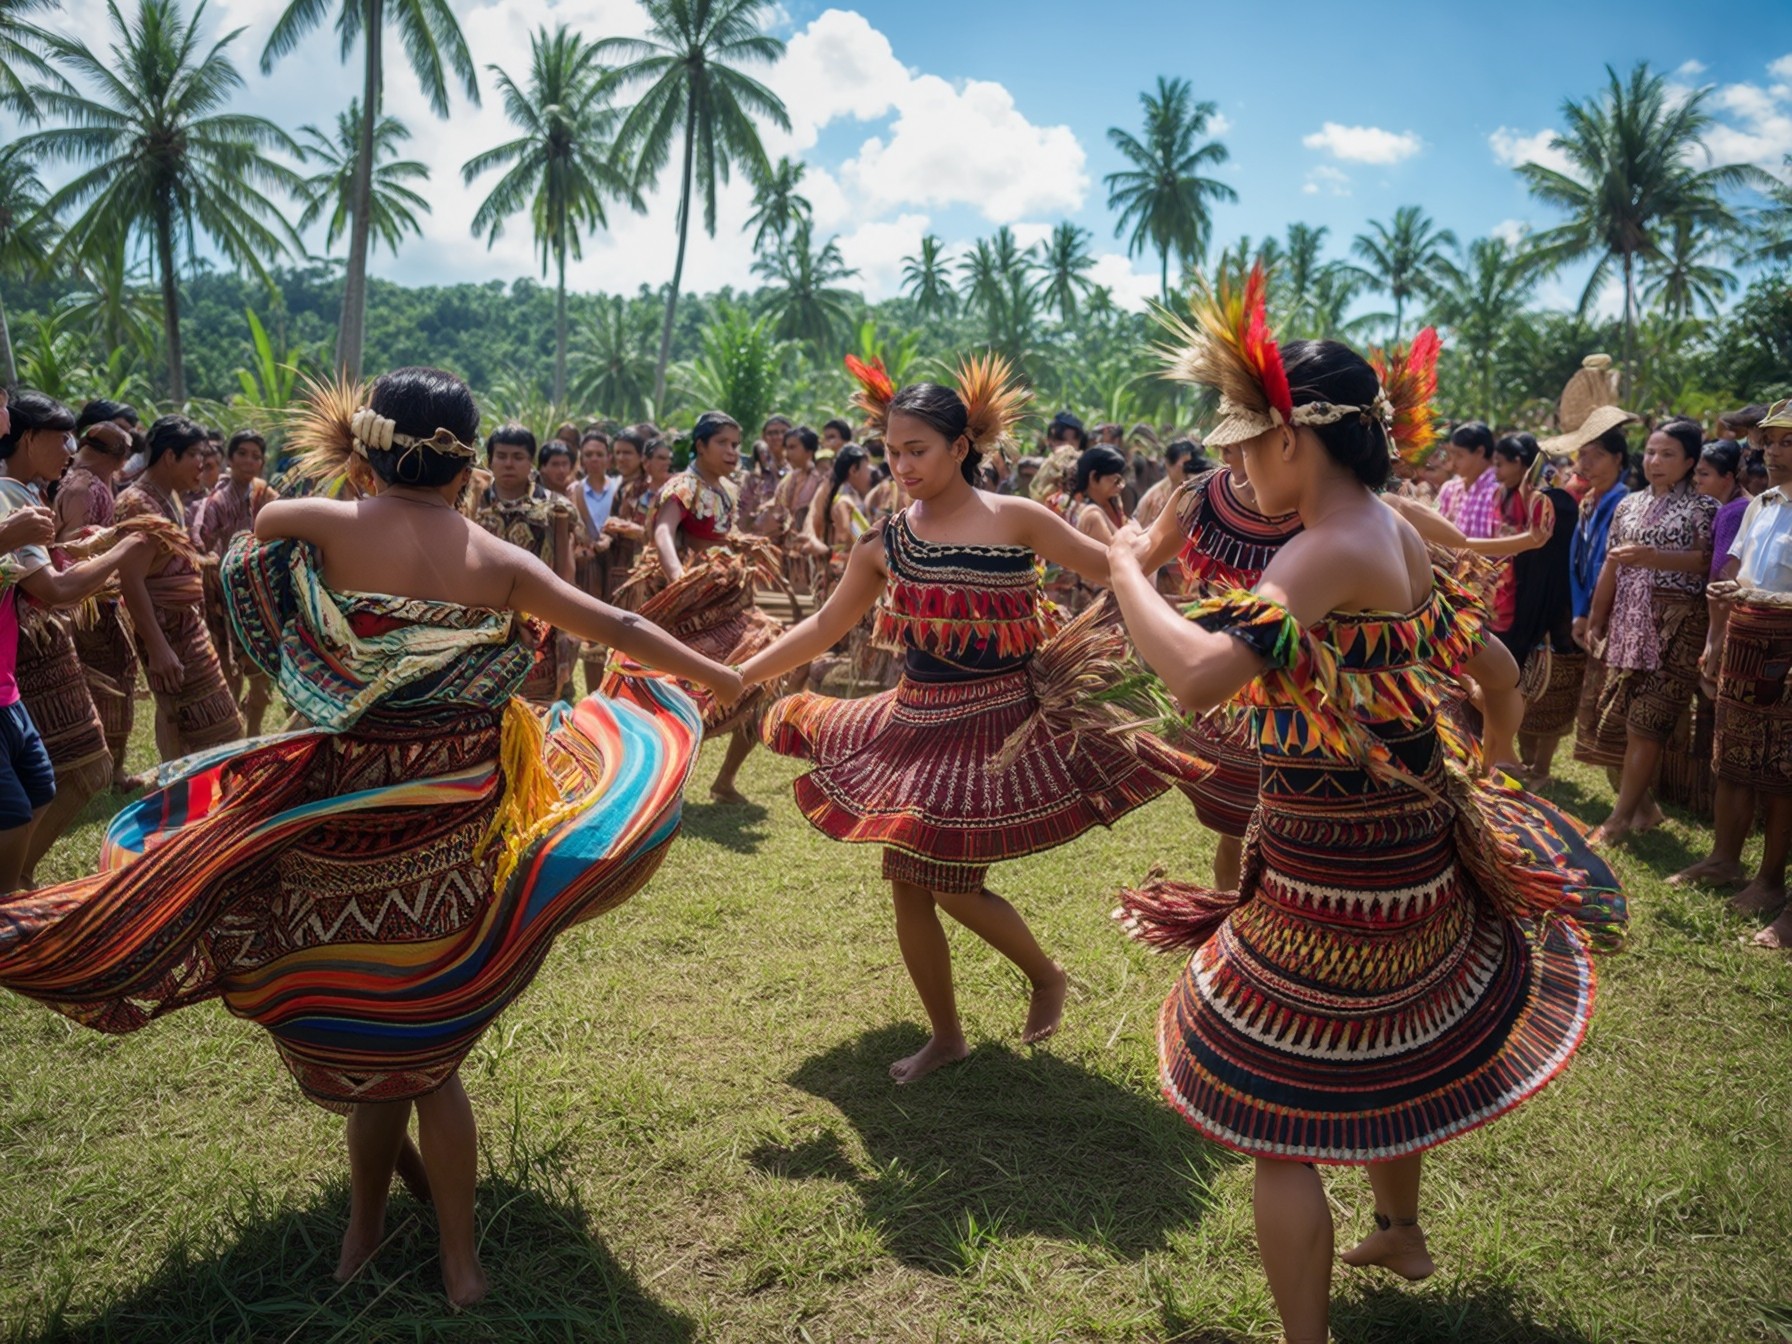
(1408,376)
(876,390)
(994,400)
(1227,345)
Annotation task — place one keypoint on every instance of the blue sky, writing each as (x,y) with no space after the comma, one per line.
(956,117)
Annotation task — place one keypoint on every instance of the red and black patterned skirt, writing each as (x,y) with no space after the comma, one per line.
(1753,734)
(1225,799)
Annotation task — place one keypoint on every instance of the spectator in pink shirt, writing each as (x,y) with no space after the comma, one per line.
(1470,498)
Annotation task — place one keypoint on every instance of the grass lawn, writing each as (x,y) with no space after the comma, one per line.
(688,1134)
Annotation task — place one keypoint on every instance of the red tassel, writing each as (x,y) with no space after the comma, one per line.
(1171,916)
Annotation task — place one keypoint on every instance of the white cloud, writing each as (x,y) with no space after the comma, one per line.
(877,250)
(1511,148)
(1759,130)
(1690,69)
(1218,124)
(1334,181)
(1363,144)
(1782,68)
(1511,231)
(1131,288)
(838,67)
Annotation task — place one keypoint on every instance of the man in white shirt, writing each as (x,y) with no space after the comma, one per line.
(1750,650)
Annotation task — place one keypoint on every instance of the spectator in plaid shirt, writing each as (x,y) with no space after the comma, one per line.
(1470,498)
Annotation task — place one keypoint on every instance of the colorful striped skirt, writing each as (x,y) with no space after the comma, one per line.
(1753,730)
(340,890)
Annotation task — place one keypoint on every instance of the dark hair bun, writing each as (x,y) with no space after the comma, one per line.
(1331,372)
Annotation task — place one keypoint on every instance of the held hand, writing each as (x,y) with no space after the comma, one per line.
(1580,631)
(1128,546)
(34,526)
(1595,634)
(165,671)
(818,549)
(1643,557)
(727,685)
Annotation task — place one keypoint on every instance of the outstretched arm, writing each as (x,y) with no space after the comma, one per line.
(852,597)
(1050,536)
(51,587)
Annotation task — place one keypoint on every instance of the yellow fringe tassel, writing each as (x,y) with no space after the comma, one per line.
(531,803)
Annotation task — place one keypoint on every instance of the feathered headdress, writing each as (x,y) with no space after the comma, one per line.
(1228,347)
(875,390)
(334,428)
(993,399)
(1408,376)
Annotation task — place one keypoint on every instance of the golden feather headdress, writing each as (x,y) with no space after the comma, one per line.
(994,400)
(334,428)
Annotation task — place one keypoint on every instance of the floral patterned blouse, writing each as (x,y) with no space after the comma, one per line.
(1677,521)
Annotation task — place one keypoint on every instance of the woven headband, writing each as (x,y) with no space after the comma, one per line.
(375,433)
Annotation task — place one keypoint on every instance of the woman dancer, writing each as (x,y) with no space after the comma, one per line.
(1649,613)
(978,754)
(837,518)
(201,712)
(375,890)
(702,575)
(1374,988)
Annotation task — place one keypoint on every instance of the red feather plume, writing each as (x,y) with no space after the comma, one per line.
(876,390)
(1227,346)
(1260,348)
(1409,378)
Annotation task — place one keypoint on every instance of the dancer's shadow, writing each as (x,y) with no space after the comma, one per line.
(1467,1313)
(740,827)
(1003,1145)
(551,1277)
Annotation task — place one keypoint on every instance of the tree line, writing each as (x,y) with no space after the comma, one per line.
(161,163)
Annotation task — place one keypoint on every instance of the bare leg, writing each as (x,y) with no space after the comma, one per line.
(723,790)
(1734,817)
(376,1131)
(12,853)
(1228,863)
(167,733)
(999,924)
(1633,809)
(1294,1242)
(72,794)
(929,960)
(1768,890)
(1544,758)
(412,1171)
(451,1153)
(1398,1243)
(255,704)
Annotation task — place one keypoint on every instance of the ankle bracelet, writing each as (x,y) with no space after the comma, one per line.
(1383,1222)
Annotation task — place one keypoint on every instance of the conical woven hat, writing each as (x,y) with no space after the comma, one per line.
(1588,408)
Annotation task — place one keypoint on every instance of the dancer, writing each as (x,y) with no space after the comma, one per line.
(837,518)
(795,492)
(225,514)
(521,510)
(1749,652)
(85,501)
(37,657)
(1376,986)
(700,577)
(201,712)
(375,890)
(989,748)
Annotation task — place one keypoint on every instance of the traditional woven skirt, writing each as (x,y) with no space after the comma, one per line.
(1648,702)
(1226,799)
(339,889)
(1366,998)
(109,662)
(54,689)
(1753,730)
(1551,712)
(203,710)
(915,770)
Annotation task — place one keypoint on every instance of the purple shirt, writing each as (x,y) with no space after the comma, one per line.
(1472,506)
(1724,528)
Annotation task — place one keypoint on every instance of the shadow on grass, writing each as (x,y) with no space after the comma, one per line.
(1004,1145)
(268,1277)
(1469,1313)
(741,827)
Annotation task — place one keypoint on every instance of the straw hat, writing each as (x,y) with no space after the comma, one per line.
(1589,407)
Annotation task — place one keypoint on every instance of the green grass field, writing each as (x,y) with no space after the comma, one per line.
(688,1134)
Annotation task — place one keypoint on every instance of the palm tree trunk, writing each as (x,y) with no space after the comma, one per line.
(560,326)
(1399,314)
(177,378)
(8,370)
(1628,376)
(1163,272)
(351,332)
(684,230)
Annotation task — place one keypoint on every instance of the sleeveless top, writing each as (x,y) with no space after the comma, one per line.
(708,511)
(1227,544)
(101,506)
(959,612)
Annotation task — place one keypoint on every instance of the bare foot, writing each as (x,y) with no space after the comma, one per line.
(1777,936)
(412,1172)
(1400,1250)
(358,1245)
(1717,872)
(1759,898)
(727,794)
(1647,818)
(1608,832)
(129,783)
(464,1284)
(934,1055)
(1046,1010)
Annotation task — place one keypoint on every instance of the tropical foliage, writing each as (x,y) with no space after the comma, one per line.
(330,193)
(1163,197)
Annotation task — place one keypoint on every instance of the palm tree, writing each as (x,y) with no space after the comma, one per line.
(616,373)
(778,206)
(1163,198)
(994,271)
(395,204)
(926,282)
(164,161)
(1301,267)
(1403,259)
(1633,156)
(114,308)
(804,297)
(560,170)
(1479,296)
(430,37)
(1773,224)
(695,91)
(22,44)
(27,236)
(1063,261)
(1687,276)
